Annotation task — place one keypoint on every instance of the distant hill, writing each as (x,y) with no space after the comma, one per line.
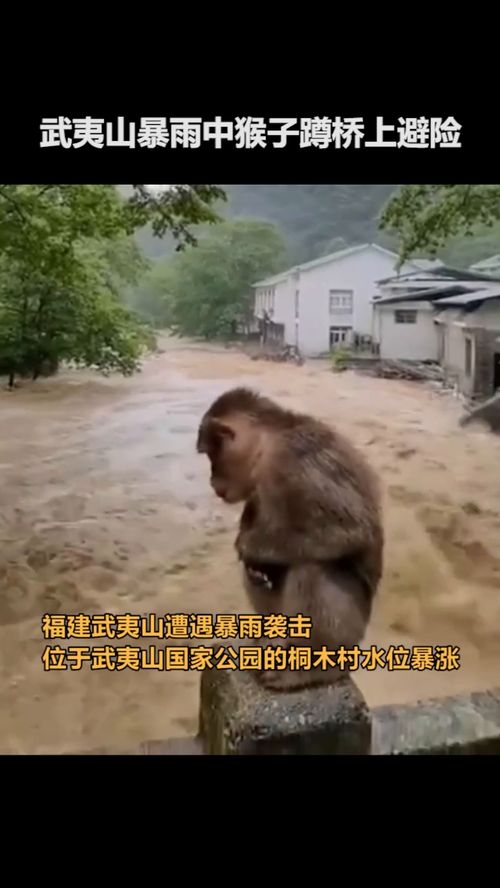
(318,219)
(315,219)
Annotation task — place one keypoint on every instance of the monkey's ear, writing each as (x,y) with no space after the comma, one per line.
(220,431)
(212,433)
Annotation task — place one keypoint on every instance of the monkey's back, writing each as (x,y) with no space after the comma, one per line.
(313,448)
(318,482)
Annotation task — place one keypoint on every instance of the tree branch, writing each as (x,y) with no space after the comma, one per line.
(13,202)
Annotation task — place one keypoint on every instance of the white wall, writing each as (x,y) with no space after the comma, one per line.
(453,339)
(376,325)
(487,315)
(357,273)
(453,363)
(284,308)
(459,326)
(410,342)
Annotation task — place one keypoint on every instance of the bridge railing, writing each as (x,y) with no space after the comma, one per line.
(239,717)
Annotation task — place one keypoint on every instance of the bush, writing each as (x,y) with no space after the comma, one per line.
(340,359)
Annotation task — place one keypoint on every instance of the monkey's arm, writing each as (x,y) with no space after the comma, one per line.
(308,516)
(296,546)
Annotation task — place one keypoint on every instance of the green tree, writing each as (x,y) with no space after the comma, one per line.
(208,288)
(68,314)
(429,218)
(120,260)
(152,297)
(65,256)
(76,211)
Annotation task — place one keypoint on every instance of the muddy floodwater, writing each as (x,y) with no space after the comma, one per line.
(105,508)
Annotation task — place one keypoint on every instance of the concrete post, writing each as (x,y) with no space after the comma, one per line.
(239,717)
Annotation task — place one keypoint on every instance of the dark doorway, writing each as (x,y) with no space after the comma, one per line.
(496,371)
(340,336)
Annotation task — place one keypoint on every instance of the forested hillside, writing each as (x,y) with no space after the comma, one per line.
(315,219)
(318,219)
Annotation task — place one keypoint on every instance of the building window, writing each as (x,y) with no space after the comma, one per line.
(340,300)
(405,316)
(296,304)
(468,356)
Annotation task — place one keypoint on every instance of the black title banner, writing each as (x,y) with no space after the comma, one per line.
(95,145)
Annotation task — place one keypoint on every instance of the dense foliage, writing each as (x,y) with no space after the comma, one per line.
(66,253)
(461,223)
(204,290)
(318,219)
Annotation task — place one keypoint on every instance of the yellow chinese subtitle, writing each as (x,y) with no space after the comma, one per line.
(118,626)
(184,659)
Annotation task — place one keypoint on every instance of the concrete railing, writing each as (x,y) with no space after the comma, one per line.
(239,717)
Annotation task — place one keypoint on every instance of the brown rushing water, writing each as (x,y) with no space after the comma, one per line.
(105,508)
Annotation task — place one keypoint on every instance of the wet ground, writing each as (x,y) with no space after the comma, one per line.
(105,508)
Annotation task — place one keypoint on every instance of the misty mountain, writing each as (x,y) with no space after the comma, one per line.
(319,219)
(314,219)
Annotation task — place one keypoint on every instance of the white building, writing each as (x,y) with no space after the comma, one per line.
(403,320)
(328,302)
(405,309)
(448,316)
(468,327)
(406,330)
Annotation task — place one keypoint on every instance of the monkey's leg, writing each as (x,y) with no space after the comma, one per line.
(338,605)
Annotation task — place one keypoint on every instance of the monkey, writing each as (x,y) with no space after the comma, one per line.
(310,536)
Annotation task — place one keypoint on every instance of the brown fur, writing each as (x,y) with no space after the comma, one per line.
(312,520)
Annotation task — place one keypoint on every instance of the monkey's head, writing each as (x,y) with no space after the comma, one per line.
(231,436)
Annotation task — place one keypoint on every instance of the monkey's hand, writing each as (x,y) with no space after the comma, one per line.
(258,577)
